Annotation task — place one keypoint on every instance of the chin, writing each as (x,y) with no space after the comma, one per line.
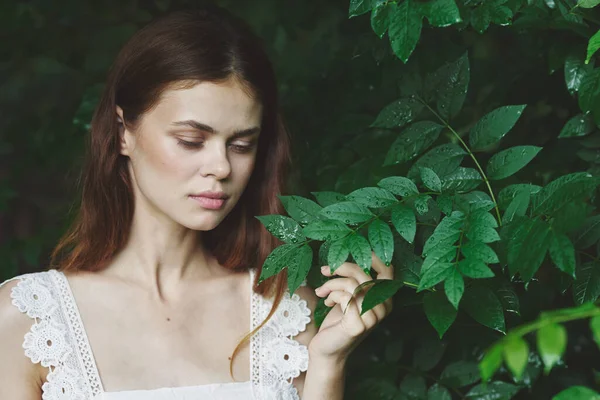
(202,224)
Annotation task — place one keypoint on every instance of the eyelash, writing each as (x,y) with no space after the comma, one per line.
(197,145)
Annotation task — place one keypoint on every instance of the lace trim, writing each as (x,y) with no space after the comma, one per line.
(86,357)
(276,358)
(50,340)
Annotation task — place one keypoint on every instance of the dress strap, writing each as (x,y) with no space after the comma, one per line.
(51,340)
(85,356)
(276,357)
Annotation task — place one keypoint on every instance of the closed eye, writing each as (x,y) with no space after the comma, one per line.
(236,147)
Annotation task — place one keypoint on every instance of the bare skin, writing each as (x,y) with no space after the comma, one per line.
(164,313)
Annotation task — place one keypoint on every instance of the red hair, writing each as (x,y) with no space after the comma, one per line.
(181,49)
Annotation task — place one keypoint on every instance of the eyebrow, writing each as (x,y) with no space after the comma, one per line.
(206,128)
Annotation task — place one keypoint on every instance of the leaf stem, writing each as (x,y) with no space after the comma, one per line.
(586,310)
(483,175)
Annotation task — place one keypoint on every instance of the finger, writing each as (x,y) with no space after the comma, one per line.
(348,269)
(352,321)
(344,284)
(383,271)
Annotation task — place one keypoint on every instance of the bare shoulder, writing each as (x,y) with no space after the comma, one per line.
(19,377)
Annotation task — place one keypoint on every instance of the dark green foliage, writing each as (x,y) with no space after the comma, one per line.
(464,149)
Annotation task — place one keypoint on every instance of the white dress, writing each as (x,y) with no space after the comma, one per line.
(58,341)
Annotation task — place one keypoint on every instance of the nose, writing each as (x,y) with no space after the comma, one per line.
(215,162)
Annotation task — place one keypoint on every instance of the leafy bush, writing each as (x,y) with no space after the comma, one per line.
(467,242)
(463,145)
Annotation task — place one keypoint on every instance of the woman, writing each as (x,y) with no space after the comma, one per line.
(157,280)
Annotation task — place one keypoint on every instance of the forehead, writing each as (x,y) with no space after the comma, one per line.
(225,106)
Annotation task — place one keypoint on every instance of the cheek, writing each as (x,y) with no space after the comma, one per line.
(162,160)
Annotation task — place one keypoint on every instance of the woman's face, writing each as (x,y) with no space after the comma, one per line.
(195,140)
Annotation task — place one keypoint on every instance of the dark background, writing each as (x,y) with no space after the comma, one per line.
(335,75)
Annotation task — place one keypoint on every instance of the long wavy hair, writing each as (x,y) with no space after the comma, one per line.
(180,49)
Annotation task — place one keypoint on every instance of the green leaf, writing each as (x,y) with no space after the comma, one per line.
(441,13)
(577,126)
(494,126)
(506,293)
(326,230)
(283,228)
(586,287)
(446,233)
(479,251)
(405,222)
(577,393)
(301,209)
(527,247)
(588,234)
(593,46)
(562,191)
(413,387)
(588,3)
(509,161)
(381,18)
(484,307)
(443,160)
(382,240)
(595,327)
(277,260)
(347,212)
(380,292)
(562,253)
(412,142)
(399,186)
(491,361)
(490,11)
(298,267)
(445,202)
(454,286)
(516,354)
(358,7)
(373,197)
(589,90)
(493,391)
(337,254)
(473,201)
(441,254)
(475,269)
(435,275)
(454,78)
(575,70)
(440,313)
(431,180)
(551,344)
(460,373)
(461,180)
(398,114)
(361,251)
(508,194)
(438,392)
(480,233)
(421,204)
(328,198)
(517,207)
(428,352)
(405,29)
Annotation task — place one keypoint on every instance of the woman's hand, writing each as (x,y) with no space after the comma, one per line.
(340,332)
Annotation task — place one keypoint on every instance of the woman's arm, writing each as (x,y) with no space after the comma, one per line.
(19,377)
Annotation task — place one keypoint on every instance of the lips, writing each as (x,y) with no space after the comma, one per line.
(210,203)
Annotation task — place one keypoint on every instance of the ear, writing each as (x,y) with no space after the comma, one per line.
(124,140)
